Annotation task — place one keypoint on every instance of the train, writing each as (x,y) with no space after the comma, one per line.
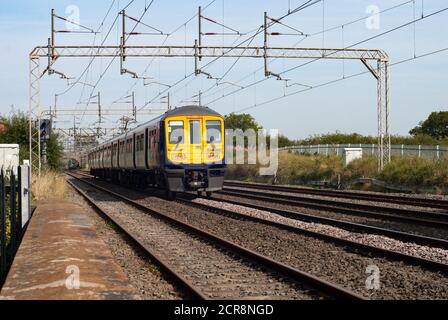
(182,150)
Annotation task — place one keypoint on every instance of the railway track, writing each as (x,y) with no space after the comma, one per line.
(351,226)
(415,201)
(211,267)
(414,260)
(411,216)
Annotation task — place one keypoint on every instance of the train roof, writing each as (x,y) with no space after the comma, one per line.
(181,111)
(191,110)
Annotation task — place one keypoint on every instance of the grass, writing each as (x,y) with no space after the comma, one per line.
(50,185)
(298,169)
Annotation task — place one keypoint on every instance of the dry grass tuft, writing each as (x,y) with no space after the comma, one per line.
(50,185)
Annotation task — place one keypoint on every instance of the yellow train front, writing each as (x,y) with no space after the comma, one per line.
(182,150)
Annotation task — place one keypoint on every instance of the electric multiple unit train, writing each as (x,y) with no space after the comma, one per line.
(182,150)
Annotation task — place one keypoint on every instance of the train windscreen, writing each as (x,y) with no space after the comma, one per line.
(176,132)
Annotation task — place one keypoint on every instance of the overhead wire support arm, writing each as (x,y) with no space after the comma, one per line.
(298,32)
(159,32)
(235,32)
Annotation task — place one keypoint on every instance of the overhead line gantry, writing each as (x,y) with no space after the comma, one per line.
(376,61)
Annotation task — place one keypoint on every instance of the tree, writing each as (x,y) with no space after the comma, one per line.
(241,121)
(16,129)
(55,152)
(435,126)
(284,141)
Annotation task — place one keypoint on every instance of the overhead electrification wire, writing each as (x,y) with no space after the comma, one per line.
(316,34)
(305,5)
(340,79)
(113,58)
(337,50)
(94,57)
(183,25)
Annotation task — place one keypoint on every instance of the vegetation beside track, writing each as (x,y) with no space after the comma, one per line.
(416,174)
(50,185)
(16,131)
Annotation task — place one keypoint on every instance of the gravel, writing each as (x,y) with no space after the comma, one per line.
(217,272)
(333,262)
(419,210)
(144,275)
(398,194)
(393,225)
(435,254)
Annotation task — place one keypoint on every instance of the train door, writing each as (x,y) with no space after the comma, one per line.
(196,142)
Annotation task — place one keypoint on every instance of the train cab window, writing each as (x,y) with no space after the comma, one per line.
(195,131)
(214,131)
(176,132)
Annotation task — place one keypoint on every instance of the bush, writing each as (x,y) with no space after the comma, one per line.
(366,167)
(297,168)
(410,172)
(355,138)
(415,173)
(293,169)
(17,132)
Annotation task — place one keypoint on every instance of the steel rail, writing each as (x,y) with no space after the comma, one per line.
(421,262)
(147,250)
(294,273)
(352,226)
(365,210)
(417,201)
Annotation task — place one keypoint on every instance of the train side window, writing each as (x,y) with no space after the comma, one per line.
(139,142)
(214,131)
(176,132)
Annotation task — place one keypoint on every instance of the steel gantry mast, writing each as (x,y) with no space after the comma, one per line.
(376,60)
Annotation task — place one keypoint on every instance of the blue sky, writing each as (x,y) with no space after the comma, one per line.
(417,87)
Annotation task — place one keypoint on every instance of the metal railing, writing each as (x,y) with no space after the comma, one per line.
(14,213)
(420,151)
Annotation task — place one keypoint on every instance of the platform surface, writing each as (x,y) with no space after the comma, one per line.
(62,258)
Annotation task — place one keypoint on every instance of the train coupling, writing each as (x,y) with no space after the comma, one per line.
(196,179)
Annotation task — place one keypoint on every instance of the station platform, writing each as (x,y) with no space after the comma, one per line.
(62,258)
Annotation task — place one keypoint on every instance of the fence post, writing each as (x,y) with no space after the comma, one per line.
(419,150)
(438,152)
(337,149)
(318,149)
(13,214)
(326,151)
(24,198)
(2,227)
(402,150)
